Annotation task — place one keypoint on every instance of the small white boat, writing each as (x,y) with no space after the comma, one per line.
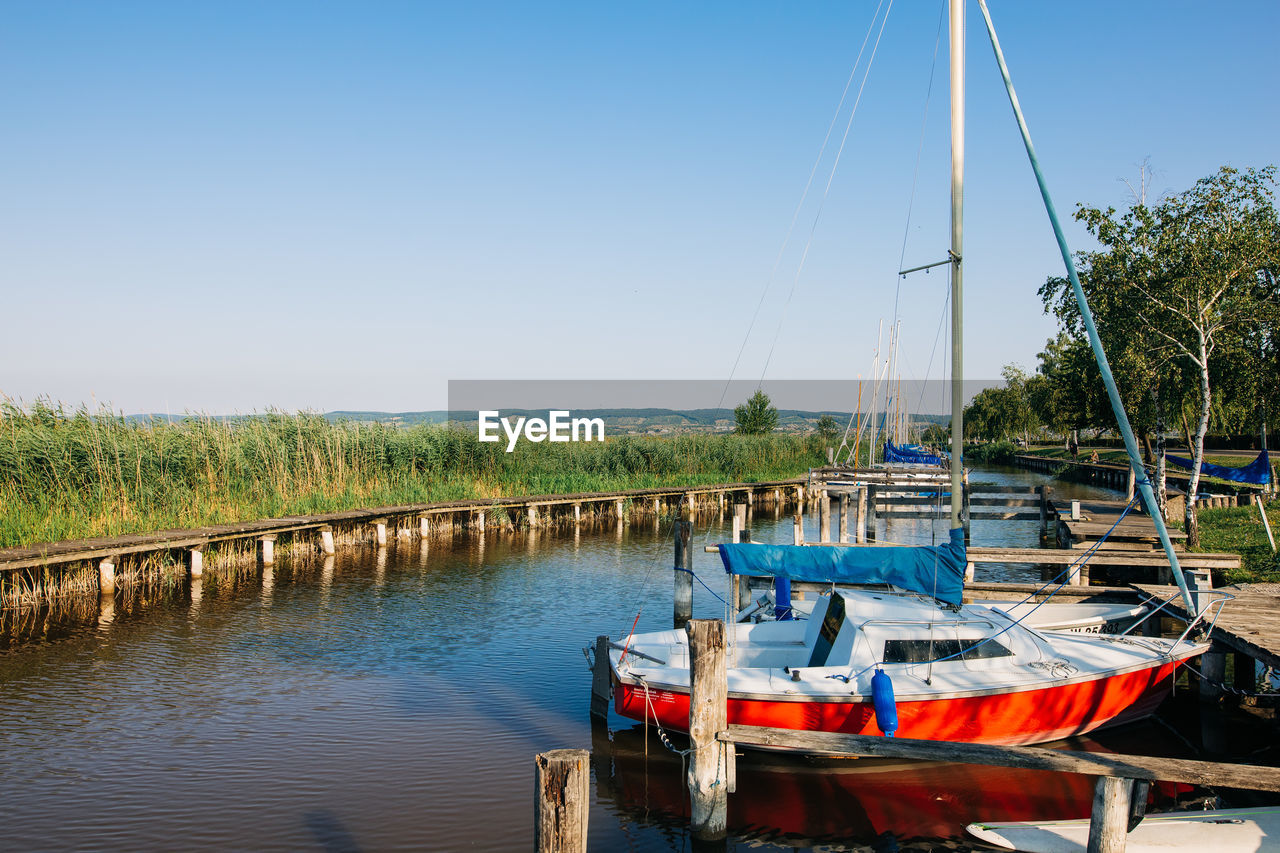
(1222,831)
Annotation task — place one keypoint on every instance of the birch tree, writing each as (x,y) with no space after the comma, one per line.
(1188,276)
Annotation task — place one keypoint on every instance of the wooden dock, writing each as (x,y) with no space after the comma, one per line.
(1248,626)
(376,523)
(1136,532)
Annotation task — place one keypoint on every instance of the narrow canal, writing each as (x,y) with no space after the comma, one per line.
(395,699)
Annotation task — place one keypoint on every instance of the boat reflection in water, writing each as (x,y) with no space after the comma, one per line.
(851,800)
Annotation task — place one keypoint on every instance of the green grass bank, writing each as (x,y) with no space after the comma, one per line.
(75,474)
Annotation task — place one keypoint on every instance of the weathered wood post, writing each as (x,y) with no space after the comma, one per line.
(601,679)
(709,773)
(380,531)
(195,562)
(657,506)
(531,513)
(326,541)
(739,522)
(480,521)
(560,821)
(577,514)
(1245,675)
(824,517)
(424,526)
(797,531)
(1133,484)
(107,577)
(1109,822)
(860,526)
(268,548)
(683,610)
(618,508)
(873,514)
(1213,668)
(844,516)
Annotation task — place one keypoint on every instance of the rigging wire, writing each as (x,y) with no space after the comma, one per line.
(795,216)
(835,165)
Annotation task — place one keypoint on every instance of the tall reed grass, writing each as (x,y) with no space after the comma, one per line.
(70,474)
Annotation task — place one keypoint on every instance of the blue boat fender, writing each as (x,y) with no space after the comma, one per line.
(886,707)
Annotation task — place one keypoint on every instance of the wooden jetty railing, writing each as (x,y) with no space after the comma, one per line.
(712,772)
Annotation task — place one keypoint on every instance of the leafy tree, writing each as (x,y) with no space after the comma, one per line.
(1176,286)
(756,416)
(1005,412)
(827,429)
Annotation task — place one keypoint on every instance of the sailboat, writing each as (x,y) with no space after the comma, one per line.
(906,656)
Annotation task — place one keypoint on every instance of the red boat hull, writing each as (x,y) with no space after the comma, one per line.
(1010,717)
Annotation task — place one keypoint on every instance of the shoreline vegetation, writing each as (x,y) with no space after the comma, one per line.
(76,474)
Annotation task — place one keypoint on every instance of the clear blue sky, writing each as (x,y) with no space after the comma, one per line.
(228,206)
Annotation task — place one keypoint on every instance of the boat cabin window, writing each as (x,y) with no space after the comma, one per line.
(923,651)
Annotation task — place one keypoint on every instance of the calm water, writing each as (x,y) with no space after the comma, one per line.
(395,699)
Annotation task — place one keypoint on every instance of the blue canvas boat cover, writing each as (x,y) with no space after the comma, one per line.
(911,454)
(932,570)
(1257,472)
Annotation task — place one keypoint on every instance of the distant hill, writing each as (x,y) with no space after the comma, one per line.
(616,421)
(628,421)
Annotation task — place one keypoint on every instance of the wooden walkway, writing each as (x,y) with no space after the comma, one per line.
(1136,532)
(1249,625)
(74,551)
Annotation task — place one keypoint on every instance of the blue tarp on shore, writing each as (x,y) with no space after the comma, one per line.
(1257,472)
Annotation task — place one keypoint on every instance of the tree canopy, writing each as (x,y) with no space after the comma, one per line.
(756,416)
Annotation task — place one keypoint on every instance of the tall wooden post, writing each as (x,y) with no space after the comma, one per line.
(709,773)
(601,679)
(1109,822)
(844,516)
(824,517)
(380,531)
(860,526)
(195,562)
(683,610)
(560,820)
(424,526)
(873,515)
(1213,666)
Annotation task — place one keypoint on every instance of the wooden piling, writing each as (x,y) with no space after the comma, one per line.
(1046,495)
(1213,667)
(873,515)
(683,609)
(797,532)
(380,531)
(107,577)
(708,774)
(618,508)
(531,513)
(424,526)
(601,679)
(860,526)
(577,514)
(480,521)
(268,549)
(824,517)
(844,516)
(326,541)
(739,522)
(561,785)
(1109,822)
(195,562)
